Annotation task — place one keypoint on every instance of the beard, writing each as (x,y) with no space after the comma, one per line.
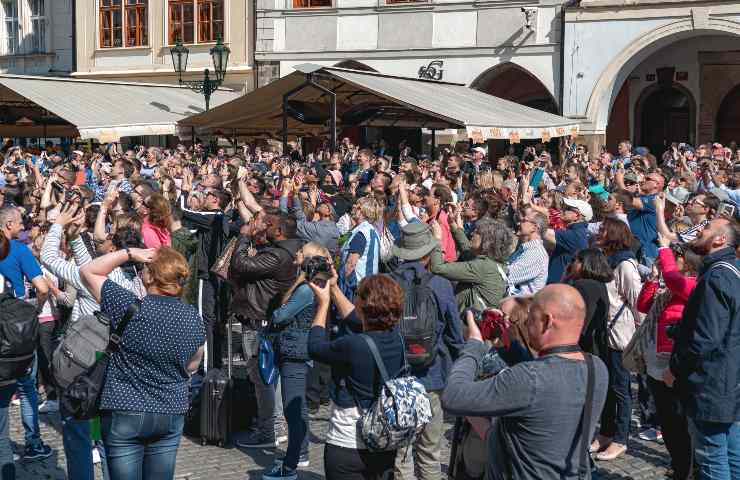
(700,246)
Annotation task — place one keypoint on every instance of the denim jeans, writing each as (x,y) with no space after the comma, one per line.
(293,378)
(77,448)
(141,445)
(716,449)
(29,397)
(7,467)
(615,418)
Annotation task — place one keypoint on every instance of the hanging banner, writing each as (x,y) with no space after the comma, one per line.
(481,133)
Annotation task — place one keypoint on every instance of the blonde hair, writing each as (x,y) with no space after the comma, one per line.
(370,209)
(311,249)
(168,271)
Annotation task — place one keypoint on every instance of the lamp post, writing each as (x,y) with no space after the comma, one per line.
(219,56)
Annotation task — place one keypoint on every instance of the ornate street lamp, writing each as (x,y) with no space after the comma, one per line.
(219,56)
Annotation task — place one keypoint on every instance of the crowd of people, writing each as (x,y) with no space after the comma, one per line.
(527,294)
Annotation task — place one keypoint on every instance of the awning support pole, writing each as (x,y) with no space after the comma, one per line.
(434,143)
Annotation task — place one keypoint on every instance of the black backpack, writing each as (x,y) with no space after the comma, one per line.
(420,319)
(19,331)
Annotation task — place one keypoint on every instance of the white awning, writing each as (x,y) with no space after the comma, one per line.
(107,110)
(373,99)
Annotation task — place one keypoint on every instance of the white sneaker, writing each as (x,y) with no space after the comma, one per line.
(49,406)
(95,455)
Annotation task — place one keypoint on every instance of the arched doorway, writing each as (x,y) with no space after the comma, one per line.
(728,118)
(664,114)
(512,82)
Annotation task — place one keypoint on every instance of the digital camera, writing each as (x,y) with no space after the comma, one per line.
(317,269)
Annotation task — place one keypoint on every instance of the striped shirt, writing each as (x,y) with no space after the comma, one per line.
(69,271)
(527,268)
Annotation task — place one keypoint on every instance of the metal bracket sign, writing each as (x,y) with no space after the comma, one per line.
(433,71)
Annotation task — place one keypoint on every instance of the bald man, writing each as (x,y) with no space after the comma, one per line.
(539,403)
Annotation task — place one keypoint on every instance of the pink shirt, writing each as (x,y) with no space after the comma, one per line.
(154,236)
(449,252)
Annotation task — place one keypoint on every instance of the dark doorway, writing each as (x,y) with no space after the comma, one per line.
(666,116)
(512,82)
(728,118)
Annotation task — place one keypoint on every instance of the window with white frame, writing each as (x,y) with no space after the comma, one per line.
(11,30)
(311,3)
(123,23)
(38,26)
(195,21)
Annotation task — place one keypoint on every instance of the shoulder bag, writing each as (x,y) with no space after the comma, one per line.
(221,267)
(82,397)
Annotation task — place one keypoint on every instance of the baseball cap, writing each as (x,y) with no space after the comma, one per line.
(641,151)
(479,150)
(79,152)
(598,189)
(583,207)
(631,177)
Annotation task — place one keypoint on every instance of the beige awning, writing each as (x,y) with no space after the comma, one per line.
(372,99)
(103,110)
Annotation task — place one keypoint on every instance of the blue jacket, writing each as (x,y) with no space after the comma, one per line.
(706,353)
(293,321)
(449,330)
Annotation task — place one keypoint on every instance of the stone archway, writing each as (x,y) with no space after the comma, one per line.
(614,76)
(728,118)
(515,83)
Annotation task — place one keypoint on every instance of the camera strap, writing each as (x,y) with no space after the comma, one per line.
(560,349)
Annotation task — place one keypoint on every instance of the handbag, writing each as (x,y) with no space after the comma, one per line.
(633,355)
(220,267)
(82,397)
(620,332)
(266,361)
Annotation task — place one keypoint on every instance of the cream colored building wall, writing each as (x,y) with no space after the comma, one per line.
(153,63)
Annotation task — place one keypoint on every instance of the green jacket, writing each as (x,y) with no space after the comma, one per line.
(185,242)
(481,282)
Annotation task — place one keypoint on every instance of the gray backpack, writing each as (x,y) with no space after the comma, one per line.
(78,348)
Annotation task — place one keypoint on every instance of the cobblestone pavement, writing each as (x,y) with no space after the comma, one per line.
(646,460)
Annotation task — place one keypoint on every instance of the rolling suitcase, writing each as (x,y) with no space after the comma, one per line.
(216,400)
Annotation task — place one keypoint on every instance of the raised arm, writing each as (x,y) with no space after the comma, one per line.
(95,273)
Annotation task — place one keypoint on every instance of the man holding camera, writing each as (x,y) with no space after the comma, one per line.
(260,279)
(543,416)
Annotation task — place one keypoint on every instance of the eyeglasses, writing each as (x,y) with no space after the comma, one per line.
(698,202)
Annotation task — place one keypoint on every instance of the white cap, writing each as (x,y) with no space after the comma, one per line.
(583,207)
(78,152)
(480,150)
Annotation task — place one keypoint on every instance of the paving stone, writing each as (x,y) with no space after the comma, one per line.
(643,461)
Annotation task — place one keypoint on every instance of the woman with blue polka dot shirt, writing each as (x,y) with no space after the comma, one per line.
(145,396)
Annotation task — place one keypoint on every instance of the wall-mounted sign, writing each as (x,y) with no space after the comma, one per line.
(433,71)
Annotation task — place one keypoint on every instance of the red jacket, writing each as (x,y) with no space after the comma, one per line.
(680,286)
